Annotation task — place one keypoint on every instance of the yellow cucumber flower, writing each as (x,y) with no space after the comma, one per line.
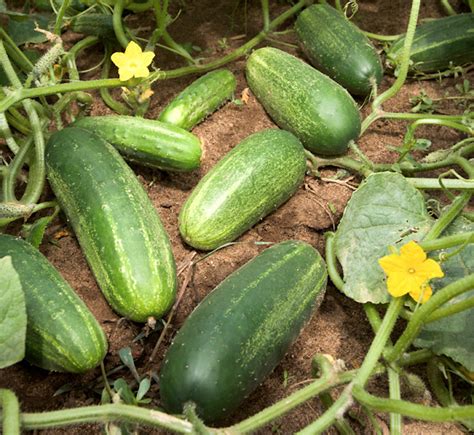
(410,271)
(133,63)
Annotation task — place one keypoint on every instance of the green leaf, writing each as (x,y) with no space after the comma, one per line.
(12,315)
(34,232)
(453,336)
(22,28)
(384,211)
(143,388)
(123,389)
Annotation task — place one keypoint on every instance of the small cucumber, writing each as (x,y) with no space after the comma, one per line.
(252,180)
(241,331)
(62,334)
(94,24)
(302,100)
(117,226)
(338,48)
(200,99)
(438,44)
(147,142)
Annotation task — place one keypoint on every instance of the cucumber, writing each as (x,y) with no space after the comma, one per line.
(117,226)
(240,332)
(147,142)
(338,48)
(302,100)
(200,99)
(252,180)
(62,334)
(437,44)
(94,24)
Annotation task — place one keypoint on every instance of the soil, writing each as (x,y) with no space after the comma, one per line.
(339,328)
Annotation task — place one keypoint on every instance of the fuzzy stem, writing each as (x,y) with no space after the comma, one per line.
(266,15)
(60,16)
(448,216)
(447,241)
(331,261)
(11,412)
(424,311)
(450,310)
(118,25)
(344,401)
(413,410)
(393,90)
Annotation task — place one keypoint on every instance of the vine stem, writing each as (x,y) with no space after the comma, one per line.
(376,349)
(331,261)
(11,412)
(60,16)
(266,15)
(117,23)
(20,94)
(448,216)
(447,241)
(413,410)
(410,33)
(424,311)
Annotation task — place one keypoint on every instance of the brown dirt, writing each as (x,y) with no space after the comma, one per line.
(339,328)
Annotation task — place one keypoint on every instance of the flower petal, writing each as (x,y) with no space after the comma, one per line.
(141,71)
(393,263)
(430,269)
(125,74)
(422,294)
(399,284)
(414,252)
(119,59)
(147,58)
(133,50)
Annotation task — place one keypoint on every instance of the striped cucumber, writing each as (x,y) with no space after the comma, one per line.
(338,48)
(62,334)
(148,142)
(241,331)
(438,44)
(302,100)
(117,226)
(252,180)
(200,99)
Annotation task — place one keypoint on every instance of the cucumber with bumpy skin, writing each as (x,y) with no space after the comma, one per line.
(338,48)
(100,25)
(438,44)
(252,180)
(62,334)
(241,331)
(302,100)
(117,226)
(147,142)
(200,99)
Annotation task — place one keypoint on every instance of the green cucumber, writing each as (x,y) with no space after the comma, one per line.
(438,44)
(302,100)
(338,48)
(241,331)
(117,226)
(251,181)
(62,334)
(200,99)
(94,24)
(147,142)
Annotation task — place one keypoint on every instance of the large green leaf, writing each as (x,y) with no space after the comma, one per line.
(386,210)
(22,28)
(12,315)
(454,336)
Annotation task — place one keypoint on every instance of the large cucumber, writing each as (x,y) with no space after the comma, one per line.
(252,180)
(200,99)
(117,226)
(303,100)
(94,24)
(338,48)
(62,334)
(437,44)
(239,333)
(148,142)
